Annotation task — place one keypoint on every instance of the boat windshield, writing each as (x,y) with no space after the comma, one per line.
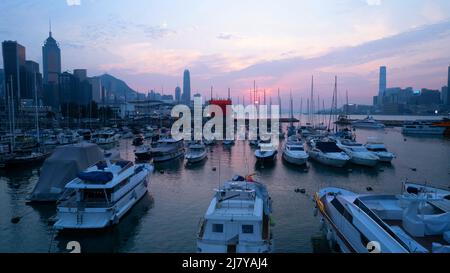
(377,149)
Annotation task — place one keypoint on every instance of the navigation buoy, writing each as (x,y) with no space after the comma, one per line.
(413,169)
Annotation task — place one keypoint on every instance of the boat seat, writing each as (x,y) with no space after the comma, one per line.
(412,223)
(410,242)
(446,236)
(438,248)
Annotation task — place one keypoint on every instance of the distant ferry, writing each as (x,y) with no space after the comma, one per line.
(422,127)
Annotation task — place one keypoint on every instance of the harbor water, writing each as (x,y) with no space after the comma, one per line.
(166,219)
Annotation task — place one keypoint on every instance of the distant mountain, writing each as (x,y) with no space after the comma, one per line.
(118,87)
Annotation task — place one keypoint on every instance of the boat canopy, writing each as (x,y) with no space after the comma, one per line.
(328,147)
(96,177)
(62,167)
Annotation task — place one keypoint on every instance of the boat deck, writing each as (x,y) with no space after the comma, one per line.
(426,242)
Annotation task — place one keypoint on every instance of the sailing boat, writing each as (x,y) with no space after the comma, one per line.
(291,128)
(18,157)
(343,119)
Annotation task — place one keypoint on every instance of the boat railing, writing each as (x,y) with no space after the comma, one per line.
(85,204)
(201,228)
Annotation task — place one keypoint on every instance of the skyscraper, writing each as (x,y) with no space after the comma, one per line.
(448,78)
(51,59)
(187,87)
(33,80)
(2,83)
(382,85)
(177,94)
(14,70)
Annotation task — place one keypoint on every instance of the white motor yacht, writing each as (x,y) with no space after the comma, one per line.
(415,221)
(237,219)
(328,153)
(104,138)
(294,152)
(358,153)
(143,152)
(102,195)
(266,152)
(368,123)
(379,149)
(167,149)
(196,152)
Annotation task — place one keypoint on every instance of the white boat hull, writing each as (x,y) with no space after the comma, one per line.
(168,157)
(221,247)
(196,158)
(101,217)
(326,160)
(295,160)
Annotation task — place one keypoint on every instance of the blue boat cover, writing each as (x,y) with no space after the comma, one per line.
(96,176)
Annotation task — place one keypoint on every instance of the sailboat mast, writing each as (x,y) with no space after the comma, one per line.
(291,110)
(36,108)
(346,101)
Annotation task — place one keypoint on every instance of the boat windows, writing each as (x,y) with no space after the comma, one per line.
(377,149)
(217,228)
(95,195)
(247,229)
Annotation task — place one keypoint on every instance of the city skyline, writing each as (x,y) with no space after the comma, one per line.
(229,53)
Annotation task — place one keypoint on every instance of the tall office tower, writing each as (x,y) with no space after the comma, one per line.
(177,94)
(81,74)
(51,59)
(33,80)
(187,87)
(2,83)
(96,83)
(382,85)
(14,71)
(448,78)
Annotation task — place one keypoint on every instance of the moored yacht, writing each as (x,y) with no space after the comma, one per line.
(102,195)
(266,152)
(368,123)
(167,149)
(237,219)
(294,152)
(143,152)
(422,127)
(196,152)
(358,153)
(379,149)
(415,221)
(104,138)
(328,153)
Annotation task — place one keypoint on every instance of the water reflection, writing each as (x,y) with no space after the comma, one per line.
(112,239)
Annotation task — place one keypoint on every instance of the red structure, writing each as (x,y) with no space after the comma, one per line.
(222,103)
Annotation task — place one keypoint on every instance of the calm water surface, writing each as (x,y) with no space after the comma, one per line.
(166,220)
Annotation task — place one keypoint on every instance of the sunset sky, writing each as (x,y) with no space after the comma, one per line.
(280,44)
